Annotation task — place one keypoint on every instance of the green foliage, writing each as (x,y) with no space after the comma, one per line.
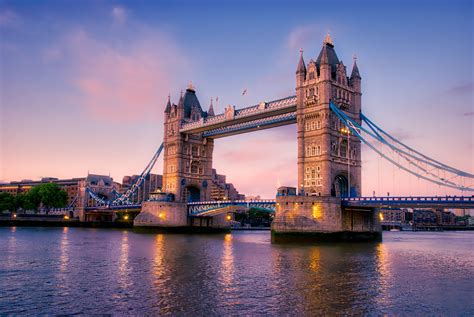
(23,201)
(255,217)
(48,195)
(7,202)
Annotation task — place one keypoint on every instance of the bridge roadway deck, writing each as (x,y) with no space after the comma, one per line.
(461,202)
(233,117)
(208,208)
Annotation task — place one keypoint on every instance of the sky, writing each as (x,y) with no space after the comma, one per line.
(83,84)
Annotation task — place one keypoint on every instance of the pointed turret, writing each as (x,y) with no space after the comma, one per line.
(168,105)
(355,70)
(328,56)
(181,100)
(324,59)
(210,112)
(301,65)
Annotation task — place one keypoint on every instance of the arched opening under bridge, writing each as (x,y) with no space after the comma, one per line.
(339,186)
(192,194)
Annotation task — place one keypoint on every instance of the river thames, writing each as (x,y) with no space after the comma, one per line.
(104,271)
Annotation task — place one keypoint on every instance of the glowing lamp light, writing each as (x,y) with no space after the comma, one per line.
(125,217)
(317,212)
(229,217)
(66,217)
(14,215)
(381,216)
(161,215)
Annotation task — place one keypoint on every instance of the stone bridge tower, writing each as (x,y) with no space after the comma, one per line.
(328,156)
(187,160)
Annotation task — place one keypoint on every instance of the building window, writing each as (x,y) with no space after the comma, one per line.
(343,149)
(311,75)
(194,150)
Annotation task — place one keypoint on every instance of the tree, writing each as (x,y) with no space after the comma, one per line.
(7,202)
(48,195)
(23,201)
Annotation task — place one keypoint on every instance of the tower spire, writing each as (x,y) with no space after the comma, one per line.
(210,112)
(168,105)
(328,39)
(355,70)
(324,55)
(181,100)
(301,65)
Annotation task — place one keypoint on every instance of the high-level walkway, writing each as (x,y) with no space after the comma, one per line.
(262,116)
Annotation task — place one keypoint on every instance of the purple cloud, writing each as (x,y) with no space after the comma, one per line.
(462,89)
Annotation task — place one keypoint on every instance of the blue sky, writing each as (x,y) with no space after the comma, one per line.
(84,84)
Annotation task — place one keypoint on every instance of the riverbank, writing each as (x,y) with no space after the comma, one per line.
(56,221)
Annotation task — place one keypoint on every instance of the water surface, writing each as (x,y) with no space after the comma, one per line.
(96,271)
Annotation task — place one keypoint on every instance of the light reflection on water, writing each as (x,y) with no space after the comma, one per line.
(91,271)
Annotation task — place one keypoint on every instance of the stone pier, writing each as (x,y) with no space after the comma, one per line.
(314,219)
(173,217)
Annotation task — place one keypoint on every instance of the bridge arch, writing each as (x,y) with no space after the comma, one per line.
(339,186)
(192,193)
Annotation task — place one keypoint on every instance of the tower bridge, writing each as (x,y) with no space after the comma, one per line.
(326,203)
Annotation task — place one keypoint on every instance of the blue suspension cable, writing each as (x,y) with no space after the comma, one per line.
(447,167)
(354,126)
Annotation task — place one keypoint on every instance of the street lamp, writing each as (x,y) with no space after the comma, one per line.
(347,132)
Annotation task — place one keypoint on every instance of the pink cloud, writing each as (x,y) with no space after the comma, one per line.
(301,35)
(124,84)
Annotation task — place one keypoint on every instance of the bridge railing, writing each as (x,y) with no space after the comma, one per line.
(200,207)
(230,202)
(412,199)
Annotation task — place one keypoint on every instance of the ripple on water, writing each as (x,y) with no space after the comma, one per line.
(91,271)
